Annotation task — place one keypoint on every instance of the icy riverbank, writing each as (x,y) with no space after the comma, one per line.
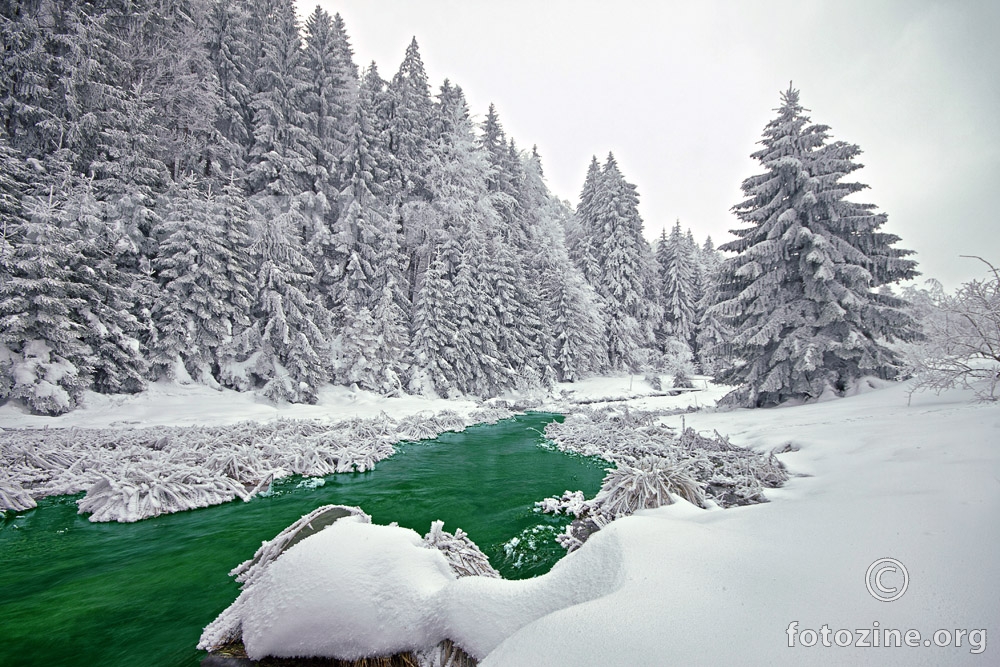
(131,470)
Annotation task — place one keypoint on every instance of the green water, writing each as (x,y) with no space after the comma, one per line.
(77,593)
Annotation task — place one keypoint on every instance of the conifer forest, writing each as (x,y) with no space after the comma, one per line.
(214,191)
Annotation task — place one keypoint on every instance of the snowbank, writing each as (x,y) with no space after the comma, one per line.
(919,484)
(351,590)
(683,585)
(170,404)
(355,589)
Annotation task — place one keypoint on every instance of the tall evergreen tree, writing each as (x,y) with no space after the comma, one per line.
(409,120)
(288,352)
(677,272)
(44,360)
(573,322)
(623,261)
(585,247)
(230,50)
(283,168)
(365,259)
(802,292)
(330,98)
(713,334)
(203,293)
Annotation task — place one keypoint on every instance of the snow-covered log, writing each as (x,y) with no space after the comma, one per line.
(248,571)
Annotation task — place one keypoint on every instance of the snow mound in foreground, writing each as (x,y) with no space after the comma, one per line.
(355,589)
(351,590)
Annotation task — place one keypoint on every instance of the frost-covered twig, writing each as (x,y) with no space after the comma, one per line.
(463,555)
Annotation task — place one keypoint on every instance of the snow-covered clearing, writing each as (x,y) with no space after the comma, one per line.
(876,478)
(170,404)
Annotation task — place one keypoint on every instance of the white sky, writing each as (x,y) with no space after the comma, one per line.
(680,92)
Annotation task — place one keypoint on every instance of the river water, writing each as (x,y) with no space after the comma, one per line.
(78,593)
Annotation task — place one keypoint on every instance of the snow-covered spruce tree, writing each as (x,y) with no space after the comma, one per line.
(204,282)
(167,49)
(240,224)
(330,100)
(114,326)
(43,358)
(461,225)
(516,276)
(367,295)
(231,54)
(585,247)
(712,333)
(801,294)
(624,259)
(432,343)
(677,273)
(283,167)
(332,94)
(408,130)
(25,67)
(575,323)
(409,121)
(288,351)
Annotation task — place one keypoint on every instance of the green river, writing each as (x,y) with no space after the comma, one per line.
(79,593)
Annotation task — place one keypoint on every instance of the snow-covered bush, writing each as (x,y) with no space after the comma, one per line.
(13,497)
(46,382)
(648,483)
(137,494)
(962,346)
(654,464)
(490,414)
(419,426)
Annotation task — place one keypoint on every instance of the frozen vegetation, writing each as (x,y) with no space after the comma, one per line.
(130,474)
(654,465)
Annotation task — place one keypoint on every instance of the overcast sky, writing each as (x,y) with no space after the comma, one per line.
(680,92)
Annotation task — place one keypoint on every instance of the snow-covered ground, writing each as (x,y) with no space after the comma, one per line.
(171,404)
(917,483)
(877,478)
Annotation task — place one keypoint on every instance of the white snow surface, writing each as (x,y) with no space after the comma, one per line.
(918,483)
(876,478)
(351,590)
(167,403)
